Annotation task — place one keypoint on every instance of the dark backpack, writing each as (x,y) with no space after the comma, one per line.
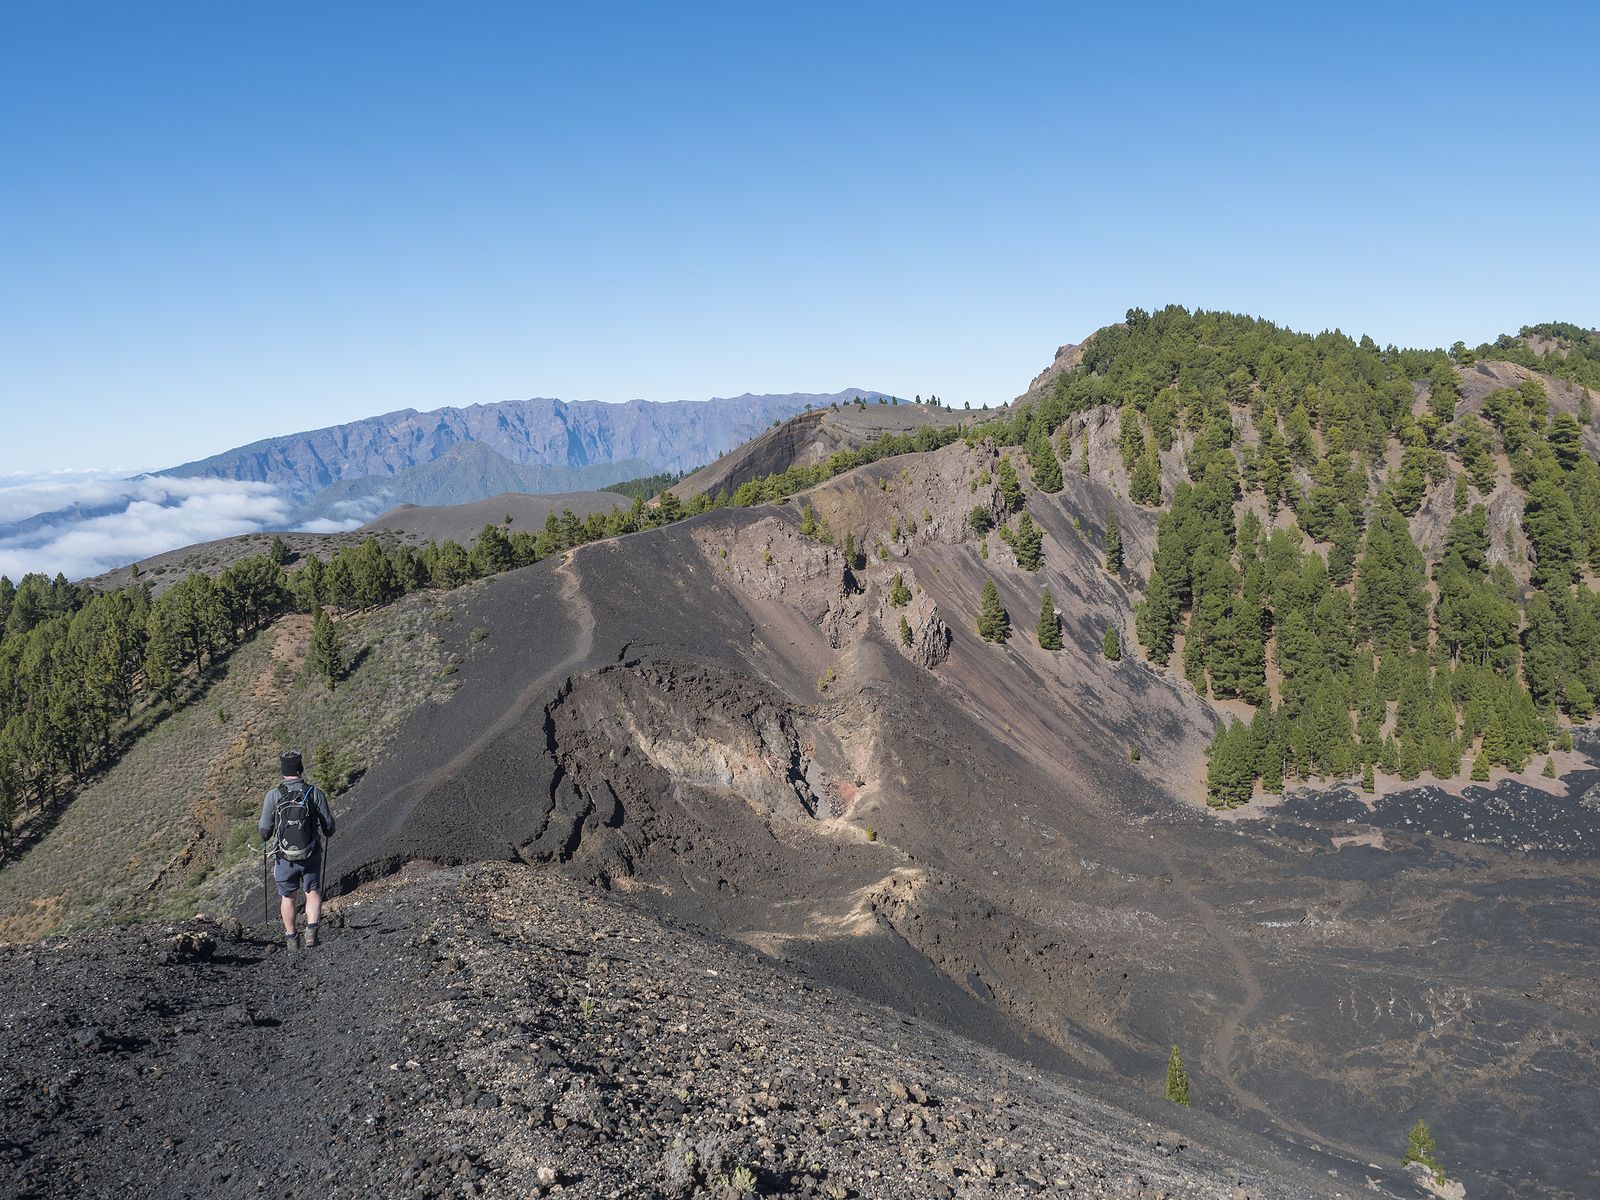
(295,823)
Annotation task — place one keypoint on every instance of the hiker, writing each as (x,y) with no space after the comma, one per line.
(296,818)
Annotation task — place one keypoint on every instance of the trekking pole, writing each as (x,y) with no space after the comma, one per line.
(327,868)
(266,908)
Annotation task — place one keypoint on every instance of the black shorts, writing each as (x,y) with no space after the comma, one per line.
(292,876)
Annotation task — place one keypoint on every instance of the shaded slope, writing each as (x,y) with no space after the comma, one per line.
(809,439)
(465,474)
(462,522)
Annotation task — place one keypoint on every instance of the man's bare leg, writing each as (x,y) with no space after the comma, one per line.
(286,910)
(313,906)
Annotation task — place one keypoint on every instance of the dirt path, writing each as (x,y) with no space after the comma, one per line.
(1224,1038)
(1220,1051)
(537,693)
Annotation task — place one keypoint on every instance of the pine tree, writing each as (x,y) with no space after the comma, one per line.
(899,593)
(1113,544)
(1421,1148)
(1480,768)
(324,658)
(10,795)
(1027,543)
(1177,1081)
(1156,619)
(1144,486)
(1111,646)
(1083,454)
(1042,457)
(1369,783)
(994,623)
(1010,485)
(905,631)
(1231,769)
(851,558)
(1049,629)
(1131,440)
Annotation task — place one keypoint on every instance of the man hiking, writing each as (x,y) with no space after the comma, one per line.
(296,818)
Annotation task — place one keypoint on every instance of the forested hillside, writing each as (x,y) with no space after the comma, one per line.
(1289,569)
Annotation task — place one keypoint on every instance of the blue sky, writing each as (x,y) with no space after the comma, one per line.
(223,222)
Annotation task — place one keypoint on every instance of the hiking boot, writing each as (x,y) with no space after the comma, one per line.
(291,942)
(311,936)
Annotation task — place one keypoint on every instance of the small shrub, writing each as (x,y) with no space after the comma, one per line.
(872,834)
(1133,752)
(586,1008)
(478,634)
(1177,1081)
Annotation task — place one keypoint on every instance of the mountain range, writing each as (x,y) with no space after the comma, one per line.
(344,471)
(342,476)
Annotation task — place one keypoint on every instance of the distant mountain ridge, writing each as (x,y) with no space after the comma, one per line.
(467,472)
(670,436)
(342,476)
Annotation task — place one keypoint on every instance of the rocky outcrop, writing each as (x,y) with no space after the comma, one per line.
(1067,358)
(929,643)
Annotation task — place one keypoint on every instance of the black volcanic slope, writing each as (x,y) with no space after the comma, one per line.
(489,1032)
(707,718)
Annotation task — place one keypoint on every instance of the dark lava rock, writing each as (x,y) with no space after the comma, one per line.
(694,1069)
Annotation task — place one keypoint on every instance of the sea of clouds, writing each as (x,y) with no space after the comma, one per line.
(94,521)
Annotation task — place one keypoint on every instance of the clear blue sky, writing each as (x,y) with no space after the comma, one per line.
(222,222)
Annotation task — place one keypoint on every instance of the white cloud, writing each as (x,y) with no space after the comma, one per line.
(24,494)
(360,511)
(326,525)
(145,516)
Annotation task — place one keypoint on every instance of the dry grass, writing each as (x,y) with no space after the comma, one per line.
(170,829)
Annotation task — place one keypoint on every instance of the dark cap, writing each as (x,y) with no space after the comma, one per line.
(289,763)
